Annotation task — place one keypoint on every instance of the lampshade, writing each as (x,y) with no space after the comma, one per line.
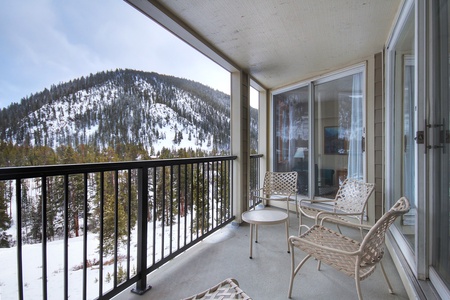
(300,153)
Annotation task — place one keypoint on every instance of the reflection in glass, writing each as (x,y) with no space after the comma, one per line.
(339,131)
(441,213)
(404,128)
(292,134)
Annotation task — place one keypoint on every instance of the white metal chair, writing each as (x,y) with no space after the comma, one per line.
(277,186)
(353,258)
(348,206)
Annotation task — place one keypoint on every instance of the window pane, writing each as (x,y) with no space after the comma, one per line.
(291,134)
(441,213)
(404,128)
(339,130)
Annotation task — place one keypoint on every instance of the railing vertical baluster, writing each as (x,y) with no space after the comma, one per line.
(85,233)
(197,200)
(179,205)
(44,235)
(116,222)
(141,284)
(154,215)
(203,198)
(19,237)
(185,202)
(102,204)
(171,211)
(207,202)
(129,225)
(213,194)
(218,189)
(163,220)
(223,191)
(230,189)
(66,236)
(192,200)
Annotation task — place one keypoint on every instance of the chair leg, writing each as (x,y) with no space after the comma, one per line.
(358,287)
(300,225)
(294,270)
(287,236)
(391,291)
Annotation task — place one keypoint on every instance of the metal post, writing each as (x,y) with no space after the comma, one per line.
(141,284)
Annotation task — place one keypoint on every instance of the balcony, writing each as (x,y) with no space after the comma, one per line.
(226,254)
(194,245)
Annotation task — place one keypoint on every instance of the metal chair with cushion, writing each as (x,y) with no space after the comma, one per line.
(347,207)
(353,258)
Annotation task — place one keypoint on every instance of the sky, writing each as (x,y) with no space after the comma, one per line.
(45,42)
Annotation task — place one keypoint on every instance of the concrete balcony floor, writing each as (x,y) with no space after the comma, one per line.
(226,254)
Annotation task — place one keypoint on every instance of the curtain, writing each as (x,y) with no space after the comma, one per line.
(355,155)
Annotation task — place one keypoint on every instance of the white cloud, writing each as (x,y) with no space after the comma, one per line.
(45,42)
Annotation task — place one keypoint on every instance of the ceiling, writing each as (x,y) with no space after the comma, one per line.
(279,42)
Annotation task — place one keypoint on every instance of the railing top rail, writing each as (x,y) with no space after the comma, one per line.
(54,170)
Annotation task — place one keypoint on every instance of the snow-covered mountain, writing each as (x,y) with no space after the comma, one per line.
(111,108)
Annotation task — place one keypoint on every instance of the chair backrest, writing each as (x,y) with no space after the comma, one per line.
(352,195)
(280,183)
(373,243)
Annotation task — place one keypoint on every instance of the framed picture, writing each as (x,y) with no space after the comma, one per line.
(334,143)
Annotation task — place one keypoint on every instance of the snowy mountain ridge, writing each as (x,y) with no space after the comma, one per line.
(121,107)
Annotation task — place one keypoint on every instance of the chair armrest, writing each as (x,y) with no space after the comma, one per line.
(328,216)
(256,191)
(304,241)
(316,201)
(323,214)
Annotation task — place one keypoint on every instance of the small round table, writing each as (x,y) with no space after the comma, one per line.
(264,217)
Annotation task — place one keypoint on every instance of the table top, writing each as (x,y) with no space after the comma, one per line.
(264,216)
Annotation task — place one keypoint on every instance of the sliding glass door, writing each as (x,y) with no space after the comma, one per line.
(338,131)
(321,122)
(403,111)
(440,271)
(291,128)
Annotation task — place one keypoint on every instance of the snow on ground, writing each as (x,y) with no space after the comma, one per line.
(32,265)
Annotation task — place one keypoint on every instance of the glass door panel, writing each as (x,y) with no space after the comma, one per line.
(339,133)
(291,128)
(404,129)
(441,212)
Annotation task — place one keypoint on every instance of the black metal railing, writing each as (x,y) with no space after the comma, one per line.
(135,215)
(255,171)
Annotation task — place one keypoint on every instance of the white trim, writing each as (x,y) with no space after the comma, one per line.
(361,67)
(350,70)
(407,8)
(421,184)
(390,96)
(438,284)
(390,166)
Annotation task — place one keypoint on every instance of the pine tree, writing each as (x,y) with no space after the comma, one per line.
(5,218)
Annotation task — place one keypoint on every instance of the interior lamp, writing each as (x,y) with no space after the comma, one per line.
(300,153)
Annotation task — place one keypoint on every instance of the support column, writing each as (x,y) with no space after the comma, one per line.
(240,140)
